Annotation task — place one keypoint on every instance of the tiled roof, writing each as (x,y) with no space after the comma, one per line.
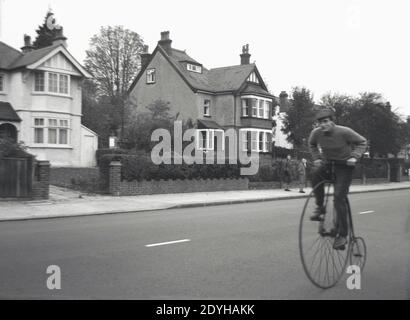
(209,124)
(8,55)
(31,57)
(7,113)
(213,80)
(255,89)
(230,78)
(11,58)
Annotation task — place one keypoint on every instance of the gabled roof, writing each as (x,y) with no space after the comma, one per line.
(7,113)
(32,59)
(217,80)
(7,55)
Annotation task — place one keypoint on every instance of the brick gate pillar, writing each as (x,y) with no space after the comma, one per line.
(115,178)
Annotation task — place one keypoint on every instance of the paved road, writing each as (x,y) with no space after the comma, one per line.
(244,251)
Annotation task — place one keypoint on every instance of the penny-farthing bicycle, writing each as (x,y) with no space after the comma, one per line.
(323,265)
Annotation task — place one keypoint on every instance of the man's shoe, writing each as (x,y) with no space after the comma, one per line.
(340,243)
(301,191)
(287,189)
(317,214)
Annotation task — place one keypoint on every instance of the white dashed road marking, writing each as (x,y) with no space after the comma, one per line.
(365,212)
(165,243)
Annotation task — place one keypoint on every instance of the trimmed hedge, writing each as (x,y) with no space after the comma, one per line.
(100,152)
(140,167)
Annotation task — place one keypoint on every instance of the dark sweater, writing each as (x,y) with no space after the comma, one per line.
(341,143)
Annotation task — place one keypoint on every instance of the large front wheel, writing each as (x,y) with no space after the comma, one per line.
(323,265)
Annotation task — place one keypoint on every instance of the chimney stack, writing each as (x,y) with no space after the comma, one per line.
(283,102)
(245,56)
(60,38)
(145,57)
(27,44)
(165,42)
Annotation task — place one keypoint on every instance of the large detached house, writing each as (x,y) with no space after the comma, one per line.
(40,103)
(216,99)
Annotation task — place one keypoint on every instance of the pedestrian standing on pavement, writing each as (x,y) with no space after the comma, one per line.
(302,166)
(287,170)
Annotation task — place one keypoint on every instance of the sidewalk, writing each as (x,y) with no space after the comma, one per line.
(68,203)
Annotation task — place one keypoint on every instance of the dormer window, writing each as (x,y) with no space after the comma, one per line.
(253,78)
(151,76)
(194,68)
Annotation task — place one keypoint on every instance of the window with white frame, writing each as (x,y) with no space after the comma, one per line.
(207,107)
(63,84)
(51,82)
(207,139)
(254,103)
(244,140)
(256,107)
(261,108)
(266,109)
(39,130)
(260,139)
(245,107)
(194,68)
(1,82)
(39,82)
(51,131)
(151,76)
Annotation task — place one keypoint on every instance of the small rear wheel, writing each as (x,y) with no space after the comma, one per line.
(358,252)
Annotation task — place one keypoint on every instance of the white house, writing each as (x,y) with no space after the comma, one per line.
(40,103)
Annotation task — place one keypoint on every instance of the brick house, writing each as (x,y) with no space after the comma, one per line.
(40,103)
(215,99)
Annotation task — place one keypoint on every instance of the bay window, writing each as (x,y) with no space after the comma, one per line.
(50,82)
(51,131)
(260,139)
(256,107)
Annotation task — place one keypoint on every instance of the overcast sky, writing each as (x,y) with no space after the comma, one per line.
(339,46)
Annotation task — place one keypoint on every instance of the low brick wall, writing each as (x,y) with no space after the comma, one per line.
(118,187)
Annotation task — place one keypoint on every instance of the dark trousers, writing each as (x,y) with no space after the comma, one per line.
(343,174)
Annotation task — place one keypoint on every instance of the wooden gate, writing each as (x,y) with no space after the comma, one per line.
(15,177)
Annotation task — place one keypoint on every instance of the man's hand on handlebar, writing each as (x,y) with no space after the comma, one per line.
(351,162)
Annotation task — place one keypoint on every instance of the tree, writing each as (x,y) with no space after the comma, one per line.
(299,119)
(45,35)
(98,113)
(114,60)
(373,118)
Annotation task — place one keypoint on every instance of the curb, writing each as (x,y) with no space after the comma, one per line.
(190,205)
(228,202)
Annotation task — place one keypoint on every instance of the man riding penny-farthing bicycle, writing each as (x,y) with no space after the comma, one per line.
(342,145)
